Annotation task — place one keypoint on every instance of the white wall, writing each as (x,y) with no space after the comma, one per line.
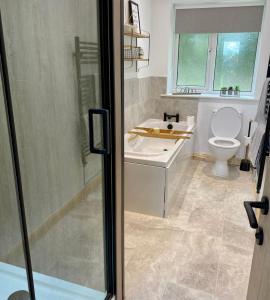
(161,52)
(162,36)
(264,50)
(157,17)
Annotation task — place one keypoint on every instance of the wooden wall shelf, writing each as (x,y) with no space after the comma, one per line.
(134,36)
(138,35)
(136,59)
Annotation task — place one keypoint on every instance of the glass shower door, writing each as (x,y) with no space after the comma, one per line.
(13,276)
(53,54)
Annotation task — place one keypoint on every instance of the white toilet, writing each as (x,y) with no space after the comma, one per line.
(226,124)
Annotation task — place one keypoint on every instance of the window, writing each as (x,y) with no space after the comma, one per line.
(211,61)
(192,54)
(235,60)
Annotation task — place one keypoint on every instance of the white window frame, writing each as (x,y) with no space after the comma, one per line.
(212,52)
(210,68)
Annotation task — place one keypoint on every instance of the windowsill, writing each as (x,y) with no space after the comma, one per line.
(210,96)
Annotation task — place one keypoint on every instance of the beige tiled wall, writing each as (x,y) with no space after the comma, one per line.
(138,103)
(185,107)
(143,101)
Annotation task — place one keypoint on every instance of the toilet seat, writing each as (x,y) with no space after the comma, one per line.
(224,142)
(226,122)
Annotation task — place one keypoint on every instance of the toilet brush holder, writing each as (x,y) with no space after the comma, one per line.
(245,163)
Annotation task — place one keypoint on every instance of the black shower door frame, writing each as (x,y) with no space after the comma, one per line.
(106,36)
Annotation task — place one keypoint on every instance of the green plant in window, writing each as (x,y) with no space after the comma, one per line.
(237,90)
(224,90)
(230,90)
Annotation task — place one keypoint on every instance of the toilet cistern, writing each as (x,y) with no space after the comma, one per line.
(226,124)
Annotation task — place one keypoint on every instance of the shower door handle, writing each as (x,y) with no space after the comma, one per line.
(106,148)
(249,205)
(264,206)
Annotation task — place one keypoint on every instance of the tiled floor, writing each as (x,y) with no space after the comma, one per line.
(202,251)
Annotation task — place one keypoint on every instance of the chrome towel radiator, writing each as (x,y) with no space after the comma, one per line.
(87,64)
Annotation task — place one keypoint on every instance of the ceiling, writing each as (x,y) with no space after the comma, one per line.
(218,2)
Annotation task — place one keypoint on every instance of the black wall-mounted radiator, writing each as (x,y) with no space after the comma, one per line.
(265,148)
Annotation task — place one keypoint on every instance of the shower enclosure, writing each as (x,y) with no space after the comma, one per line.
(57,237)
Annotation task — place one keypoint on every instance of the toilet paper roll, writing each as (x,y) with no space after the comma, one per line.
(190,120)
(247,140)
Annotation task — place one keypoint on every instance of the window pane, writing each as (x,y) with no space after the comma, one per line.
(235,60)
(192,59)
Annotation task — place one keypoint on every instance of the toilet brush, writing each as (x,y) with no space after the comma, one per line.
(245,163)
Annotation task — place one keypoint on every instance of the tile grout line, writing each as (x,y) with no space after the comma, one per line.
(219,256)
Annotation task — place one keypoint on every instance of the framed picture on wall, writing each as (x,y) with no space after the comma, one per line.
(134,16)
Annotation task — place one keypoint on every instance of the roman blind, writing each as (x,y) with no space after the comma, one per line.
(219,19)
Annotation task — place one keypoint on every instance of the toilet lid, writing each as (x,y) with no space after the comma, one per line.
(226,122)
